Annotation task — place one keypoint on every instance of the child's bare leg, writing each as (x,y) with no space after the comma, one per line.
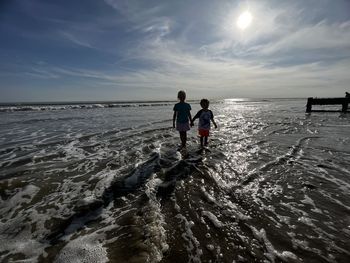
(183,137)
(206,140)
(201,141)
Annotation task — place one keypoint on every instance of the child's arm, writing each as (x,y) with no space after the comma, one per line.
(214,123)
(212,119)
(174,118)
(196,116)
(190,118)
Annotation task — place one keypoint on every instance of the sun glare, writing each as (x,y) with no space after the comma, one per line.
(244,20)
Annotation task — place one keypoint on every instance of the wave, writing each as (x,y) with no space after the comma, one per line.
(10,107)
(79,106)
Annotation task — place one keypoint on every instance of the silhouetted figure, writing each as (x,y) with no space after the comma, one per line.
(347,95)
(205,116)
(182,116)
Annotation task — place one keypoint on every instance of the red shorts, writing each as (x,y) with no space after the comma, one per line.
(203,132)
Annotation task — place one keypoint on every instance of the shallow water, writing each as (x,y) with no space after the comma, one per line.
(99,184)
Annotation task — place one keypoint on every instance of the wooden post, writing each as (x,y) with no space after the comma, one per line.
(328,101)
(309,104)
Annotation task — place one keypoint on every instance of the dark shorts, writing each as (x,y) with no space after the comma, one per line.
(181,127)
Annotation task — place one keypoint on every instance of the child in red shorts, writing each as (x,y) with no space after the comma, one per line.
(205,116)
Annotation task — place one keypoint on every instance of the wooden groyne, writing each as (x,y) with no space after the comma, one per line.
(344,102)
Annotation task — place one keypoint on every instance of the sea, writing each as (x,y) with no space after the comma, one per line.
(106,182)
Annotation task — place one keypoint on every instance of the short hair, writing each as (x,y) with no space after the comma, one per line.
(204,103)
(181,95)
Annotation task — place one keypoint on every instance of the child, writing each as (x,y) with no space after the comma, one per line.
(182,115)
(205,116)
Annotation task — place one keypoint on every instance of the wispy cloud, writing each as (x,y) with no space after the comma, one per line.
(42,74)
(228,77)
(75,39)
(315,37)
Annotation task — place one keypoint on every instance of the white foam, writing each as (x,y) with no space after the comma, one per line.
(77,106)
(208,197)
(272,253)
(72,150)
(193,245)
(235,211)
(85,248)
(16,231)
(210,247)
(87,200)
(157,239)
(216,222)
(23,243)
(23,196)
(105,180)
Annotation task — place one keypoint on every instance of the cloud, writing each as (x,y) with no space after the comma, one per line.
(42,74)
(319,36)
(217,78)
(281,36)
(134,10)
(74,39)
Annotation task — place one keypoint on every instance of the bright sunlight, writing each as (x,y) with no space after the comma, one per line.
(244,20)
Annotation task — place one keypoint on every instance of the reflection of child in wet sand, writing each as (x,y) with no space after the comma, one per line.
(182,116)
(205,116)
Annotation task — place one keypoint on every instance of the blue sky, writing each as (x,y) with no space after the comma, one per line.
(133,50)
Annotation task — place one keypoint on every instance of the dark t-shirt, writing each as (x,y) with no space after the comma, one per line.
(204,119)
(182,109)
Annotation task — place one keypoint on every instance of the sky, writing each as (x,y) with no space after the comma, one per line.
(97,50)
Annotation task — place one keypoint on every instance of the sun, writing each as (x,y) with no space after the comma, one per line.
(244,20)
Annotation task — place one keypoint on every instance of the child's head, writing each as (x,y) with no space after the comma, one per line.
(204,103)
(181,95)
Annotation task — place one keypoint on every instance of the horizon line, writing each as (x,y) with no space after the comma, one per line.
(3,103)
